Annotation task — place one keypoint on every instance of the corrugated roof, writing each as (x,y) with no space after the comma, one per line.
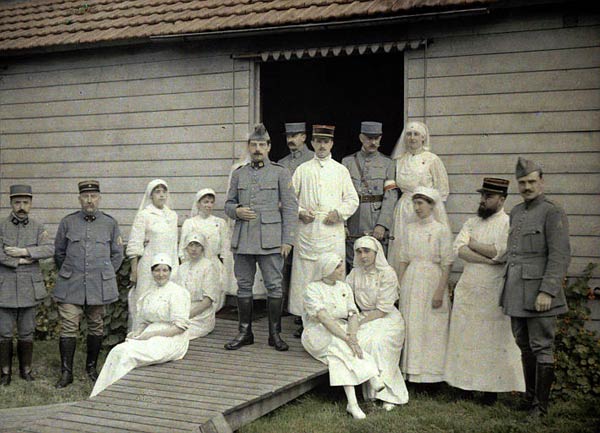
(53,23)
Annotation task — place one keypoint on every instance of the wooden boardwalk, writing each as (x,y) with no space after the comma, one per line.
(210,391)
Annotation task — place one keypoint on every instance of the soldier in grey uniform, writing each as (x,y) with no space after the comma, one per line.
(262,202)
(88,253)
(23,241)
(373,175)
(538,256)
(295,134)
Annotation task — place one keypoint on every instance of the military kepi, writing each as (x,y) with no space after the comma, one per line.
(89,186)
(525,167)
(494,185)
(295,128)
(20,190)
(372,129)
(323,131)
(260,133)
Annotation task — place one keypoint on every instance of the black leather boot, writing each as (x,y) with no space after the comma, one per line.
(245,336)
(6,355)
(25,355)
(67,352)
(298,332)
(274,310)
(529,367)
(94,344)
(544,379)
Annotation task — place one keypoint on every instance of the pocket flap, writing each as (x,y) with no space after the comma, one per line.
(108,274)
(73,237)
(532,272)
(65,273)
(270,217)
(532,230)
(268,185)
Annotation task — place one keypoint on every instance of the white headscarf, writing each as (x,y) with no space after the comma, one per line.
(201,239)
(147,199)
(161,259)
(373,244)
(327,263)
(199,195)
(413,125)
(439,210)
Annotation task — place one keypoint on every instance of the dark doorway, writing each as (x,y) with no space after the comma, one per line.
(341,91)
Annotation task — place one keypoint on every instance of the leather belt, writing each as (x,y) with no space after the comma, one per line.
(371,198)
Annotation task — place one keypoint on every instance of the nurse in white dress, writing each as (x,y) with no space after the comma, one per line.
(381,327)
(154,231)
(159,334)
(416,166)
(330,332)
(216,231)
(425,262)
(200,276)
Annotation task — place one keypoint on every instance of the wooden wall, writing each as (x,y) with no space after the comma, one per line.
(124,117)
(530,86)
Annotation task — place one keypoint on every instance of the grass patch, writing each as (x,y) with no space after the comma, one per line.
(46,370)
(324,411)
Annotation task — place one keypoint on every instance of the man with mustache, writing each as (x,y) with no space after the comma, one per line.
(373,175)
(23,242)
(295,135)
(326,199)
(262,202)
(538,258)
(88,253)
(482,354)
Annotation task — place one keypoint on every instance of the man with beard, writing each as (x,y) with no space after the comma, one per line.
(295,135)
(262,202)
(373,175)
(23,242)
(326,198)
(538,258)
(482,354)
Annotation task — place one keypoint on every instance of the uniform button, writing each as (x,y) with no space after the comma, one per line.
(512,264)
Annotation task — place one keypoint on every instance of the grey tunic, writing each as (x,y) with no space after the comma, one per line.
(376,170)
(23,285)
(268,191)
(87,254)
(537,258)
(294,159)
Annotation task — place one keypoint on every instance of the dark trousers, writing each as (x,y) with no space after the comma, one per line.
(244,268)
(535,335)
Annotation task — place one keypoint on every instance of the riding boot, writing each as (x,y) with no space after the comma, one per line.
(94,344)
(67,352)
(298,332)
(245,336)
(274,310)
(529,367)
(543,384)
(25,355)
(6,355)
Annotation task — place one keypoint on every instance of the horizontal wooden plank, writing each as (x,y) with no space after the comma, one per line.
(147,135)
(50,425)
(567,183)
(542,142)
(108,423)
(118,169)
(126,104)
(94,90)
(583,162)
(575,79)
(514,42)
(486,63)
(565,100)
(191,66)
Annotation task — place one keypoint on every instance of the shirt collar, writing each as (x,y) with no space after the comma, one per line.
(535,201)
(260,164)
(16,220)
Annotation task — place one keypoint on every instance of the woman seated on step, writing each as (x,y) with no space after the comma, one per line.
(330,332)
(381,327)
(200,274)
(160,329)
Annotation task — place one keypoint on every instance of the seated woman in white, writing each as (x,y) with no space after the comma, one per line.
(381,327)
(330,332)
(199,275)
(159,333)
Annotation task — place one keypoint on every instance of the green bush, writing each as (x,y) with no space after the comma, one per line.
(577,349)
(115,319)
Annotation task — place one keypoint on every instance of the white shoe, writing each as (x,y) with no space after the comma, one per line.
(355,411)
(376,383)
(388,406)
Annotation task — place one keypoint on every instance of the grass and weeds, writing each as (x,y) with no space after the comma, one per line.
(46,370)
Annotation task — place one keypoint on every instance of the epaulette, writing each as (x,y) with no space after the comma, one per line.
(72,213)
(110,216)
(243,165)
(278,164)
